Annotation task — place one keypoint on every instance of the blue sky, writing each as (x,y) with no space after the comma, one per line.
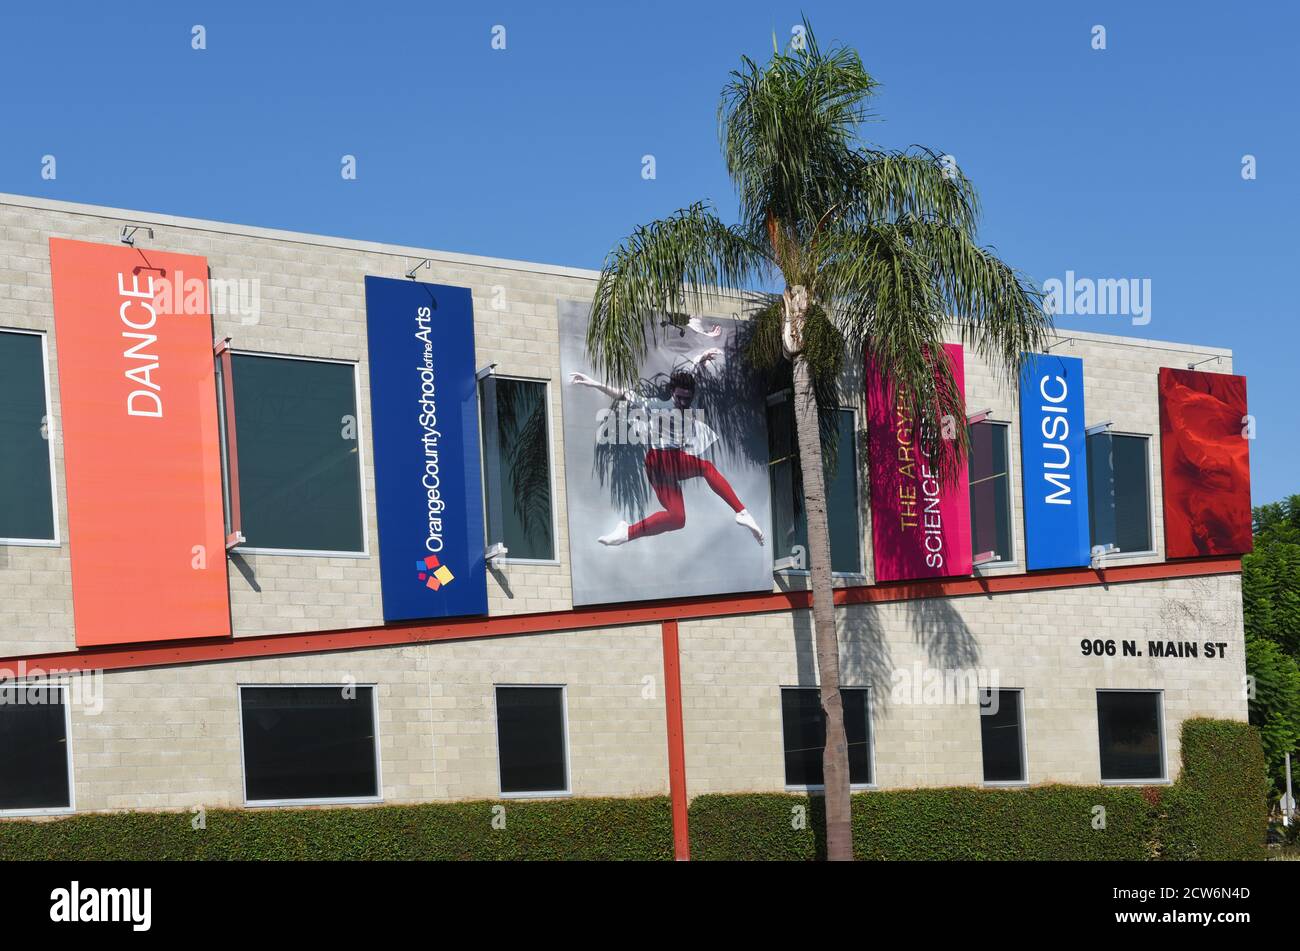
(1123,162)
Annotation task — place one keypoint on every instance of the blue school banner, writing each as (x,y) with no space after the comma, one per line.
(1054,456)
(428,484)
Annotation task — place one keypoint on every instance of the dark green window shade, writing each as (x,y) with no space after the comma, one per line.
(517,467)
(309,743)
(33,748)
(789,521)
(1128,732)
(530,739)
(1119,491)
(299,454)
(26,502)
(803,733)
(990,490)
(1002,736)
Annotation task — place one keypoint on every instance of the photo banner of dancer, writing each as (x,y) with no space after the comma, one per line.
(920,527)
(667,481)
(1205,463)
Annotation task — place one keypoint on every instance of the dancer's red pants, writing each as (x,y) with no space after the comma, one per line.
(666,468)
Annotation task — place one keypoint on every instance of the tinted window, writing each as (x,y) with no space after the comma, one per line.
(990,490)
(530,739)
(517,467)
(789,522)
(299,456)
(804,735)
(309,743)
(1119,500)
(1128,727)
(26,502)
(1001,736)
(33,748)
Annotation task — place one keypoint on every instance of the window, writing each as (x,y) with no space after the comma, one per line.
(1119,491)
(532,744)
(1130,735)
(36,776)
(309,743)
(298,444)
(789,523)
(990,490)
(1002,736)
(517,467)
(26,486)
(803,731)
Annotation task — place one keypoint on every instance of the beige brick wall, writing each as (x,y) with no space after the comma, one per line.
(169,738)
(733,670)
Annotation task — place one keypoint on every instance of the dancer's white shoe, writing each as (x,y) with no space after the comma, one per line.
(744,518)
(617,537)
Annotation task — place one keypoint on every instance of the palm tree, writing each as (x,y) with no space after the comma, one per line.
(870,249)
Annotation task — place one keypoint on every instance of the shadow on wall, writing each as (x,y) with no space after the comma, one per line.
(865,659)
(246,570)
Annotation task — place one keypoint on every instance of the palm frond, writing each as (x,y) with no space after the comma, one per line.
(997,310)
(787,130)
(667,266)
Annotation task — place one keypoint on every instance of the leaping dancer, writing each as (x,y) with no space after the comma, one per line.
(668,462)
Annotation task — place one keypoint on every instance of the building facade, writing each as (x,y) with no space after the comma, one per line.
(1003,673)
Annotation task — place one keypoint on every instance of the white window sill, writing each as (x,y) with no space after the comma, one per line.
(300,553)
(1136,782)
(556,794)
(354,801)
(51,811)
(32,542)
(988,566)
(1124,555)
(853,787)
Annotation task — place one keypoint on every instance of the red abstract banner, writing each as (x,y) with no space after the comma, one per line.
(1205,463)
(920,528)
(138,403)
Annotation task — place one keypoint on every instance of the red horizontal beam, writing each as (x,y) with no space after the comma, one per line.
(172,653)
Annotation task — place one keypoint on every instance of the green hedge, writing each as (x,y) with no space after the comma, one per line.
(1041,822)
(1217,809)
(557,829)
(1214,811)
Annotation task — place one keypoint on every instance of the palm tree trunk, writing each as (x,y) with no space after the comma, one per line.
(835,758)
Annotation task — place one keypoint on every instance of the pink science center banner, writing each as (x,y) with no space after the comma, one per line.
(920,528)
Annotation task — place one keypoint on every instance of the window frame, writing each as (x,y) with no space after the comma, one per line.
(50,436)
(1012,559)
(871,739)
(355,800)
(1160,733)
(550,470)
(859,500)
(362,474)
(1151,498)
(1024,742)
(564,724)
(62,686)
